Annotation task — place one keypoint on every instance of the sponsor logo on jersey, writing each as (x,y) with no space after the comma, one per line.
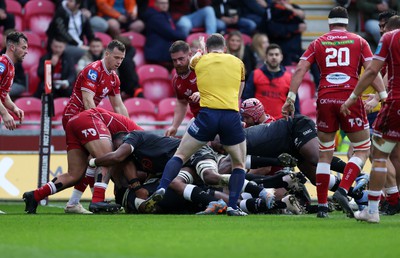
(2,68)
(188,92)
(331,37)
(193,81)
(337,78)
(105,92)
(331,101)
(337,43)
(307,132)
(92,75)
(378,48)
(392,133)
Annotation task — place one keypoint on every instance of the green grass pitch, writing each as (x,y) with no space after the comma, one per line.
(51,233)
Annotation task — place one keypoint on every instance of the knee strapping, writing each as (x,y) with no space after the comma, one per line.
(204,165)
(379,165)
(383,145)
(326,146)
(363,145)
(186,176)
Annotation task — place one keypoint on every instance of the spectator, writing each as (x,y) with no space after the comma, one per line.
(89,10)
(95,52)
(19,82)
(270,83)
(127,72)
(235,46)
(285,26)
(255,10)
(259,45)
(62,68)
(121,14)
(70,25)
(370,10)
(229,15)
(7,20)
(161,32)
(191,14)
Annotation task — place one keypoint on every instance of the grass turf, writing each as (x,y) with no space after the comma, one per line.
(51,233)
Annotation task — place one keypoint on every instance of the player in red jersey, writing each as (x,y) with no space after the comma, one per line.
(339,55)
(387,124)
(88,132)
(252,111)
(184,83)
(17,48)
(95,82)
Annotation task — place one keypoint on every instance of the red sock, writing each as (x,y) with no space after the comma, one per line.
(44,191)
(99,192)
(350,173)
(393,198)
(82,184)
(322,181)
(90,181)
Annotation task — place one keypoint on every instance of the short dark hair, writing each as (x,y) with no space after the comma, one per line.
(14,37)
(179,45)
(95,39)
(338,12)
(384,16)
(215,41)
(273,46)
(393,23)
(116,44)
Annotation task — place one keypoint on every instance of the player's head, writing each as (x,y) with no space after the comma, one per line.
(118,139)
(115,54)
(383,19)
(274,56)
(180,55)
(338,17)
(393,23)
(17,45)
(215,42)
(252,110)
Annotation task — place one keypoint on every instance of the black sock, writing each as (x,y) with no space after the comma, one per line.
(274,181)
(259,162)
(337,164)
(200,197)
(336,185)
(253,189)
(256,205)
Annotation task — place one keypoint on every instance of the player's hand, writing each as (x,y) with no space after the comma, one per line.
(288,108)
(171,131)
(195,97)
(9,122)
(371,102)
(344,108)
(19,113)
(202,43)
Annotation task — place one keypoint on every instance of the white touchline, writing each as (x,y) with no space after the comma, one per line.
(5,165)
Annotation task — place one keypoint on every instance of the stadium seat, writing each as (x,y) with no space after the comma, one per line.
(35,51)
(106,104)
(155,81)
(292,69)
(141,110)
(105,38)
(308,107)
(195,36)
(166,109)
(33,81)
(137,41)
(32,108)
(15,8)
(38,15)
(306,90)
(59,106)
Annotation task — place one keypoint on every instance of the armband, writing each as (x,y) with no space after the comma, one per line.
(92,162)
(383,95)
(291,95)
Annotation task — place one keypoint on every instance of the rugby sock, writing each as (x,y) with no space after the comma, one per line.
(274,181)
(235,186)
(75,197)
(322,179)
(171,170)
(251,188)
(392,195)
(253,205)
(334,182)
(81,185)
(350,173)
(258,162)
(44,191)
(99,193)
(196,195)
(373,201)
(337,164)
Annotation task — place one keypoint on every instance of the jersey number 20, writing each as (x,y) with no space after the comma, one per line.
(337,57)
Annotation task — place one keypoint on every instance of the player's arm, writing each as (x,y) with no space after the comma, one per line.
(302,67)
(112,158)
(8,103)
(118,105)
(179,115)
(8,120)
(88,101)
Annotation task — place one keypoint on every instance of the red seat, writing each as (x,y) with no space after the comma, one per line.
(105,38)
(33,81)
(59,106)
(292,69)
(15,8)
(195,36)
(155,81)
(166,110)
(306,90)
(32,108)
(106,104)
(137,41)
(141,110)
(247,40)
(38,15)
(308,107)
(35,51)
